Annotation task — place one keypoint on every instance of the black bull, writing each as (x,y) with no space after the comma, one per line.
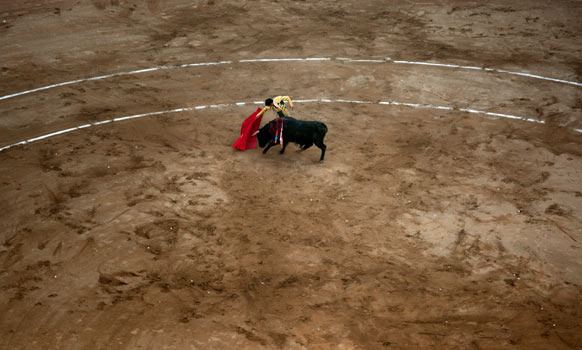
(303,133)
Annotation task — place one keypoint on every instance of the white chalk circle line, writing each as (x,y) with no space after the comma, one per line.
(309,59)
(238,104)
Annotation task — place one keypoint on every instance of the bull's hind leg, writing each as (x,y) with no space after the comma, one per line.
(321,145)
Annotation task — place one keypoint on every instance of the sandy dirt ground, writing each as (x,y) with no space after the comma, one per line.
(423,228)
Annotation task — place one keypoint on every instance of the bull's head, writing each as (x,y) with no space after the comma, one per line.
(263,136)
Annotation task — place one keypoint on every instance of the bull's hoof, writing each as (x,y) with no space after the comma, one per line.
(321,161)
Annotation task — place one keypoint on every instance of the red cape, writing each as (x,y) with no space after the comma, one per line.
(249,126)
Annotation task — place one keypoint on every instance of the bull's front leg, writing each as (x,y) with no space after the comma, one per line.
(271,144)
(284,146)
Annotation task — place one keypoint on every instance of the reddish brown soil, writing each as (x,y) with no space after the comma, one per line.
(423,228)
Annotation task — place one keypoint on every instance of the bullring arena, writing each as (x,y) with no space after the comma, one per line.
(447,213)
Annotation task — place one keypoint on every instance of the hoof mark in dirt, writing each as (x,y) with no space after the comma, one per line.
(159,236)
